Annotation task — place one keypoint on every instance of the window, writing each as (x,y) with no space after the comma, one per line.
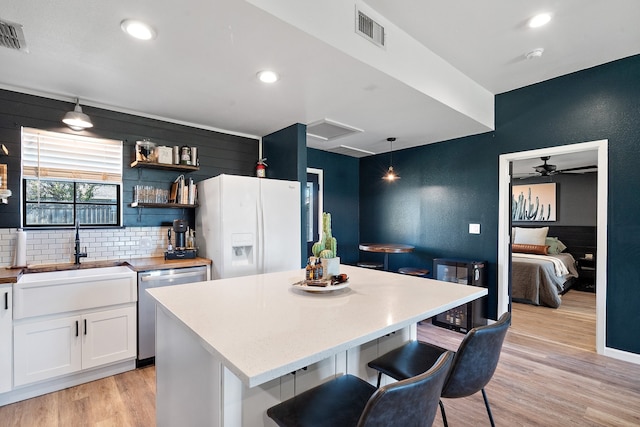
(69,178)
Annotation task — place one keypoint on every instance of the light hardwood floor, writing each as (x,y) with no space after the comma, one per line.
(548,375)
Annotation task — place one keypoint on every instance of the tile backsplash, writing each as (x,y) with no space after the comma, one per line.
(57,246)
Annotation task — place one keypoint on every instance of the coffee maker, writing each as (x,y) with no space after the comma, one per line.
(181,249)
(179,229)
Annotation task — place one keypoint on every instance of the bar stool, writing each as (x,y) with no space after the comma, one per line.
(475,362)
(348,401)
(417,272)
(370,264)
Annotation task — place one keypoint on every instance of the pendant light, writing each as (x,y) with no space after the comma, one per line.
(391,175)
(76,119)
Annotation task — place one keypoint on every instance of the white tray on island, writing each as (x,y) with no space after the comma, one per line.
(304,286)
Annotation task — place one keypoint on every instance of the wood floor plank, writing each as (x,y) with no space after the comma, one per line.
(548,375)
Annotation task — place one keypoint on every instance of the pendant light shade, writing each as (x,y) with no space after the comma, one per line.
(391,174)
(76,119)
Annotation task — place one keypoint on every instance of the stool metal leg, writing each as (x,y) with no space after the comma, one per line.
(486,403)
(444,416)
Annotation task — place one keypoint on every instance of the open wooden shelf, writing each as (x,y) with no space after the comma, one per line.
(162,205)
(150,165)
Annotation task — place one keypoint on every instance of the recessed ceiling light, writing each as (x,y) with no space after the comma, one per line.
(138,29)
(539,20)
(267,76)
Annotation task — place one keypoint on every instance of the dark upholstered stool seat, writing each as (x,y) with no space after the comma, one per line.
(407,361)
(349,401)
(369,264)
(319,406)
(411,271)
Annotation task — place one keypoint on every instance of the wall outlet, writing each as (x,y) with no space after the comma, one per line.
(474,228)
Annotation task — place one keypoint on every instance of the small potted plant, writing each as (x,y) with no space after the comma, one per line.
(327,248)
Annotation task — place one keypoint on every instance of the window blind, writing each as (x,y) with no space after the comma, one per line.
(52,155)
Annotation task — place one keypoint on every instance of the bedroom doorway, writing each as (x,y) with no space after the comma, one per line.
(504,221)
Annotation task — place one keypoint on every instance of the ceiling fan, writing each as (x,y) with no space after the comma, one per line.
(546,169)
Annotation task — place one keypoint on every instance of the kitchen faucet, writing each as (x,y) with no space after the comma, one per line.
(79,254)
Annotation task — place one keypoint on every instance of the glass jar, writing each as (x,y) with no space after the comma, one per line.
(185,155)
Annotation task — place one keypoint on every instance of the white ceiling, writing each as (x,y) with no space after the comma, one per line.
(435,80)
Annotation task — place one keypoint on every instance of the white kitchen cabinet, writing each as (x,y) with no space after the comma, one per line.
(46,349)
(50,348)
(358,357)
(308,377)
(69,327)
(108,336)
(390,342)
(6,339)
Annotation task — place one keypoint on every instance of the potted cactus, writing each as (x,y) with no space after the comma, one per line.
(327,248)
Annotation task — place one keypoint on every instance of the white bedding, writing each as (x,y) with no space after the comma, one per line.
(558,265)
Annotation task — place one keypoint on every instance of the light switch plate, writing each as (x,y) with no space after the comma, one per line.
(474,228)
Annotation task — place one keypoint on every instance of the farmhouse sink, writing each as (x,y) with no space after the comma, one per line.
(42,276)
(52,292)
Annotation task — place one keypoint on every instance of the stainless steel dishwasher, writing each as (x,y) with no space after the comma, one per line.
(147,308)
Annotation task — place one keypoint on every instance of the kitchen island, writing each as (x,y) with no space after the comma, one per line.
(228,349)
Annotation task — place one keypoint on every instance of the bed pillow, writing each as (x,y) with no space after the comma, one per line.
(555,245)
(530,249)
(531,236)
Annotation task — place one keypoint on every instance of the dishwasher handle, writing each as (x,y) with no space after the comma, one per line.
(153,278)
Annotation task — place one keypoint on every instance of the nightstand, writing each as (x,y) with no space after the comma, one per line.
(586,274)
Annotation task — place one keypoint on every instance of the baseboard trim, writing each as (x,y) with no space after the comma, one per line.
(48,386)
(622,355)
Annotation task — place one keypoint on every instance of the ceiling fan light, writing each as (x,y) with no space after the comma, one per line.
(76,119)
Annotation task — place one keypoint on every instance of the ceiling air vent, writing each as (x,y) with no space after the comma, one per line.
(327,129)
(369,29)
(11,36)
(350,151)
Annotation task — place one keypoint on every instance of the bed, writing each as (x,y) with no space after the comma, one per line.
(543,268)
(538,279)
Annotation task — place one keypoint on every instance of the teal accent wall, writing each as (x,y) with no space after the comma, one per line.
(286,154)
(341,199)
(445,186)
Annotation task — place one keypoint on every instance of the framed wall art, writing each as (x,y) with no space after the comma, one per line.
(534,202)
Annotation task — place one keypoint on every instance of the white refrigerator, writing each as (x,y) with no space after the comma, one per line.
(248,225)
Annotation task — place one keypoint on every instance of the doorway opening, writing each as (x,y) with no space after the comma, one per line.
(504,226)
(313,207)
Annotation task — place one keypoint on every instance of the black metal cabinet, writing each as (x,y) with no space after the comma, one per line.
(464,272)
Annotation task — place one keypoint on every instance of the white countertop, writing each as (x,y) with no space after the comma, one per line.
(261,327)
